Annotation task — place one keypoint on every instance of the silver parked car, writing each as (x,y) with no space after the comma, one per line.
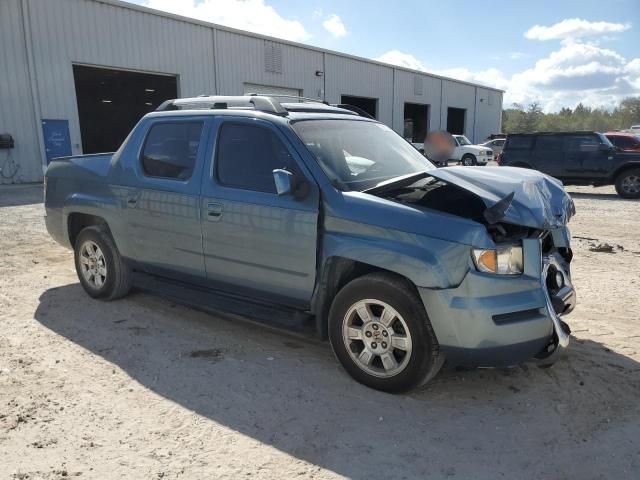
(496,145)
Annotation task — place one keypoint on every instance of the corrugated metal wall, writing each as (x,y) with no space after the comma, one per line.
(21,164)
(459,95)
(41,40)
(416,88)
(77,31)
(348,76)
(240,59)
(488,113)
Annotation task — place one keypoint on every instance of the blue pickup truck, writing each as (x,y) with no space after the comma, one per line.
(311,208)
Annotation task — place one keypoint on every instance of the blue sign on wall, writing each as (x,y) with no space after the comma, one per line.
(57,142)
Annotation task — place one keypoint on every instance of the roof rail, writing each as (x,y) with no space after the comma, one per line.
(357,110)
(298,97)
(560,132)
(261,103)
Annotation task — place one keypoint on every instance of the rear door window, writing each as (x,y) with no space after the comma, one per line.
(583,143)
(170,150)
(247,155)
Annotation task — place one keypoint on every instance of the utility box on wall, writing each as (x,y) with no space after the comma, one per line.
(57,142)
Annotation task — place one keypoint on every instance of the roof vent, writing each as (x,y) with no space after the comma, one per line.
(272,57)
(417,85)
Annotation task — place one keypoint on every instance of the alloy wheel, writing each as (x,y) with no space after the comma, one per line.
(631,184)
(93,264)
(377,338)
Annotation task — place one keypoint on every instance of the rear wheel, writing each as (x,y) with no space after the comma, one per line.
(628,183)
(380,333)
(101,270)
(468,160)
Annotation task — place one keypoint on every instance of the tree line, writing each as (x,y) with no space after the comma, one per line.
(531,118)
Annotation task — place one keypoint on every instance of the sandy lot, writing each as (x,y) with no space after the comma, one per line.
(143,388)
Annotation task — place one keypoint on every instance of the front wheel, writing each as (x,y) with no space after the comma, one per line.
(628,183)
(469,160)
(101,270)
(380,333)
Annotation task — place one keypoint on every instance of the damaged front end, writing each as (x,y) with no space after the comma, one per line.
(509,307)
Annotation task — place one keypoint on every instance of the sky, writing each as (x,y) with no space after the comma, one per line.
(555,52)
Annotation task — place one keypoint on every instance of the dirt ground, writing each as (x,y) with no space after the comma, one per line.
(143,388)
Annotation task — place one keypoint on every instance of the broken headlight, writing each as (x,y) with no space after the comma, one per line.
(505,259)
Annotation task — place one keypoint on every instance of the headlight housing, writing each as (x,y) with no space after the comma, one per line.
(505,259)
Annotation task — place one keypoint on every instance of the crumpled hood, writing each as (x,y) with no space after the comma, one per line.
(539,201)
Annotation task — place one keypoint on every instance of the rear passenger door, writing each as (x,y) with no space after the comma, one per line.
(584,155)
(162,201)
(257,243)
(549,154)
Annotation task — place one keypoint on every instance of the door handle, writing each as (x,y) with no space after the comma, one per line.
(214,211)
(132,199)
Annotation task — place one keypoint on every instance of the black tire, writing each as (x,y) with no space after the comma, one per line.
(469,160)
(118,278)
(621,189)
(425,359)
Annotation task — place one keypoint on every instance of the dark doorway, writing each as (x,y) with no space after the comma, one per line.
(110,103)
(416,122)
(369,105)
(455,120)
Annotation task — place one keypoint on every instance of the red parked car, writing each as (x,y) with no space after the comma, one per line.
(624,141)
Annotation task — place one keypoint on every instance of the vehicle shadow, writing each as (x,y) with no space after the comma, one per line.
(292,395)
(18,195)
(599,196)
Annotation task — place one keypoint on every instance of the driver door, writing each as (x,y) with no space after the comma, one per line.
(257,243)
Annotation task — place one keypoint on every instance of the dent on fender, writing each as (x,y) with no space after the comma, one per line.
(427,262)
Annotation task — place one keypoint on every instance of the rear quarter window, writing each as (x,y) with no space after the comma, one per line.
(519,142)
(550,143)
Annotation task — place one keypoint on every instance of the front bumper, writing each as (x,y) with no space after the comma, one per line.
(494,320)
(483,159)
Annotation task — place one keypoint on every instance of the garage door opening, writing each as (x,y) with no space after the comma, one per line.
(455,120)
(369,105)
(416,122)
(110,103)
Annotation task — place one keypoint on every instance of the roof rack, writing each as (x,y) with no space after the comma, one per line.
(263,103)
(202,102)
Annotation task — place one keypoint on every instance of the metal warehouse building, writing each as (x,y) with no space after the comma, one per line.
(76,75)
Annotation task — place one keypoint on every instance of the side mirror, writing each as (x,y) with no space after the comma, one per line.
(283,179)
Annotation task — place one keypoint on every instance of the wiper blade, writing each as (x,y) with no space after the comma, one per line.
(396,182)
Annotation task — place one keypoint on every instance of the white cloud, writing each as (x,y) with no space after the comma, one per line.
(576,72)
(252,15)
(333,24)
(491,77)
(401,59)
(517,55)
(573,28)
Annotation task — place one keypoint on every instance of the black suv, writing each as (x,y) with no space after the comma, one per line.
(576,158)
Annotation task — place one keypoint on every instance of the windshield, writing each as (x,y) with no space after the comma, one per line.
(358,155)
(462,140)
